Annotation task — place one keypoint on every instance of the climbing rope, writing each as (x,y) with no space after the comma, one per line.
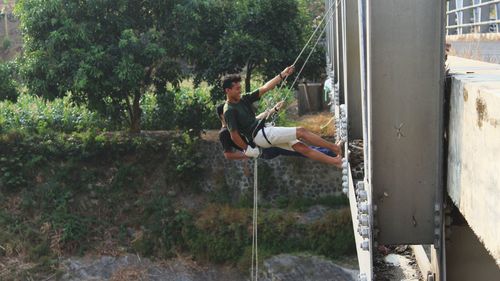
(255,251)
(273,119)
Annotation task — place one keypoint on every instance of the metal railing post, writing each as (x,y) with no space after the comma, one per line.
(467,17)
(451,19)
(484,16)
(472,16)
(497,13)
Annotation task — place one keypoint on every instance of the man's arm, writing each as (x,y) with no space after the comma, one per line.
(271,111)
(235,136)
(275,81)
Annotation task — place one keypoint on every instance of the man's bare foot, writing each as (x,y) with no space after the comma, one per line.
(337,162)
(337,148)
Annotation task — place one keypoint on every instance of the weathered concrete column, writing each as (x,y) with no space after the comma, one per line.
(474,148)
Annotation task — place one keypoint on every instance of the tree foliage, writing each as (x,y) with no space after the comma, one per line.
(257,36)
(8,90)
(106,53)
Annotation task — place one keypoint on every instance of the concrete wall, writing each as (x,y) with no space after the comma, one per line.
(467,259)
(474,148)
(279,177)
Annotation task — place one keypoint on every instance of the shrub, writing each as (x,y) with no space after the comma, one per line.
(222,234)
(32,114)
(8,88)
(185,159)
(6,43)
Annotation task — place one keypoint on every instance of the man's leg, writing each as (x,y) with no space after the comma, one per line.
(273,152)
(313,139)
(316,155)
(324,150)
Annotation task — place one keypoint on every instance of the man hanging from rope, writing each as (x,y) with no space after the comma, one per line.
(241,119)
(234,152)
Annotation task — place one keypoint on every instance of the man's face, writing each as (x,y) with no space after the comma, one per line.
(235,91)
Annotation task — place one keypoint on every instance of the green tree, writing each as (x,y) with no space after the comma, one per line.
(257,36)
(107,53)
(8,90)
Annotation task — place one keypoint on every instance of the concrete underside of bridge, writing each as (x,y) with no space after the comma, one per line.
(466,256)
(474,148)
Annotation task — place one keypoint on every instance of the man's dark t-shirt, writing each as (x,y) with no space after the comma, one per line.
(240,116)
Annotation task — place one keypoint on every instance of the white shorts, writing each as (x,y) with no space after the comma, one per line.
(282,137)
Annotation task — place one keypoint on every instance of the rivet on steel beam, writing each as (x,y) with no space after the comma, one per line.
(364,232)
(365,245)
(363,208)
(362,195)
(364,220)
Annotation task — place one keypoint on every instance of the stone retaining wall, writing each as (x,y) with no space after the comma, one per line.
(282,176)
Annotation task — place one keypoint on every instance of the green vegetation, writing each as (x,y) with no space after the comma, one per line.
(182,109)
(6,43)
(59,194)
(109,55)
(259,36)
(72,182)
(8,87)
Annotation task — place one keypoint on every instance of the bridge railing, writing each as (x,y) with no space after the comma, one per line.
(472,16)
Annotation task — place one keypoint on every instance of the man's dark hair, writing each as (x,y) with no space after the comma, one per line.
(220,110)
(228,80)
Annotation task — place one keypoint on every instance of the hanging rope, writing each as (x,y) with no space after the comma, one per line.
(336,4)
(312,35)
(255,213)
(255,249)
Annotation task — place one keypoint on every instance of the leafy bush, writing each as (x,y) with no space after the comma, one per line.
(6,43)
(35,115)
(8,90)
(158,111)
(184,109)
(186,159)
(164,228)
(333,235)
(222,234)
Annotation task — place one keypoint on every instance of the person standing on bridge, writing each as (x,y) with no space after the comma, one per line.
(241,121)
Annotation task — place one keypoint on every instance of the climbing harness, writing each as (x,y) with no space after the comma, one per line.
(262,124)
